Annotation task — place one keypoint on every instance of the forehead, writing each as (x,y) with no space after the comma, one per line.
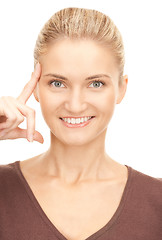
(79,54)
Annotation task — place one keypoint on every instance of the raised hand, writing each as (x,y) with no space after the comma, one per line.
(13,111)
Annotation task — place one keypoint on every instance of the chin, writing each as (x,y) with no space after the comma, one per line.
(74,140)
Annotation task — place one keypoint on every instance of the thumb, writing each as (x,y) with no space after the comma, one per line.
(22,133)
(38,137)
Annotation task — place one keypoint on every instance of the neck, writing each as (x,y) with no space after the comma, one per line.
(77,163)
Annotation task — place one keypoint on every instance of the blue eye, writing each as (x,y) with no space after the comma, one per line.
(58,83)
(97,83)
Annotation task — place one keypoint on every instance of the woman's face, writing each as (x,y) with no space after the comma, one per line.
(68,88)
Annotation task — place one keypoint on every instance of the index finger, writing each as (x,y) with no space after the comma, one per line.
(30,86)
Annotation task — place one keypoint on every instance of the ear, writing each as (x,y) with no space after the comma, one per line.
(35,93)
(122,89)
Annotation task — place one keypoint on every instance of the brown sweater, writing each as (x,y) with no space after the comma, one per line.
(138,216)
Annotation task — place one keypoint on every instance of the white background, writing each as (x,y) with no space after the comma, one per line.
(134,135)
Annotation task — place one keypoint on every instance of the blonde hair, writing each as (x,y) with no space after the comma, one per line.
(80,23)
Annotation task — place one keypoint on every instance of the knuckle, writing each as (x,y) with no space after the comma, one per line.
(13,118)
(10,97)
(7,98)
(20,119)
(31,111)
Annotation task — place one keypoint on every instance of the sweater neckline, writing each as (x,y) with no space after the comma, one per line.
(98,233)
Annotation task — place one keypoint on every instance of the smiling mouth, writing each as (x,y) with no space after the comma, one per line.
(73,123)
(77,117)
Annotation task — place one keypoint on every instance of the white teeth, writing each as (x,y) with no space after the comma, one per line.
(72,121)
(76,120)
(67,120)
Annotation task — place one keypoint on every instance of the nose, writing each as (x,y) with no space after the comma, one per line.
(76,102)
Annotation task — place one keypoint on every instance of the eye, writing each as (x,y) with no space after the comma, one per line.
(57,83)
(96,83)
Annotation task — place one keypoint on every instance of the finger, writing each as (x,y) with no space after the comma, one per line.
(11,124)
(29,113)
(21,133)
(38,137)
(9,114)
(8,126)
(30,86)
(31,126)
(15,117)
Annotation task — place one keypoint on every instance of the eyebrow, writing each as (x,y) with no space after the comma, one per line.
(88,78)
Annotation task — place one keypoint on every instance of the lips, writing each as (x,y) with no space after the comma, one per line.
(77,125)
(80,123)
(77,117)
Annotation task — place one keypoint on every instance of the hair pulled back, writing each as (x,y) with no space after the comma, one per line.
(80,23)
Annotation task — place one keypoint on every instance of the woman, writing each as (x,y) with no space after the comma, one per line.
(75,190)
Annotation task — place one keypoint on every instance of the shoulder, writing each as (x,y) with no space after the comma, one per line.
(147,186)
(6,168)
(7,172)
(147,179)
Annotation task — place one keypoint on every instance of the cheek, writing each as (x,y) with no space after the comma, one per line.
(106,102)
(107,107)
(48,102)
